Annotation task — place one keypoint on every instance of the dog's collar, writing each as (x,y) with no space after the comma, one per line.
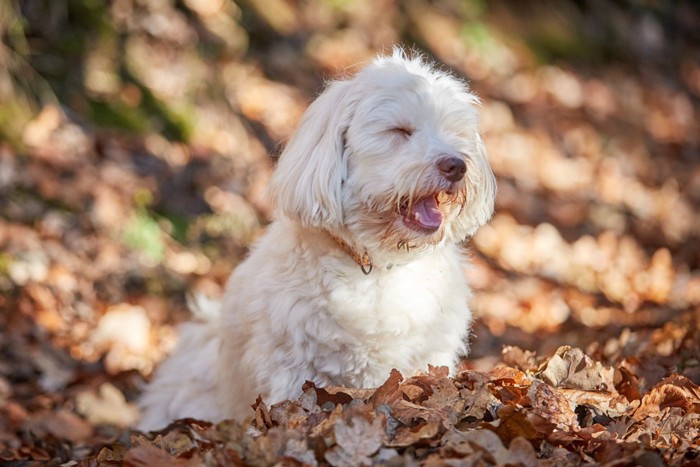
(363,260)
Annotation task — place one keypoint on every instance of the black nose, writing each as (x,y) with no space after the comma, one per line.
(452,168)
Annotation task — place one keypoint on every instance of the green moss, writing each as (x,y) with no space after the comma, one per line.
(178,225)
(559,43)
(143,233)
(117,115)
(176,124)
(477,35)
(14,115)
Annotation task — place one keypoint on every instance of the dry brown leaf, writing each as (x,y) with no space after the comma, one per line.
(354,393)
(611,405)
(512,423)
(524,360)
(673,430)
(297,449)
(325,425)
(414,435)
(66,425)
(552,405)
(485,441)
(178,442)
(674,391)
(520,452)
(337,396)
(607,451)
(233,436)
(477,395)
(594,432)
(438,371)
(408,412)
(151,456)
(261,420)
(288,414)
(412,391)
(112,454)
(278,445)
(389,392)
(571,368)
(618,428)
(507,375)
(418,424)
(46,306)
(108,406)
(627,383)
(356,441)
(444,394)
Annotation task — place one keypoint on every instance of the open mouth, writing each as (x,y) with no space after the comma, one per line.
(424,214)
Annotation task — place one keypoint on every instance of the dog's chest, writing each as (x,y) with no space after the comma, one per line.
(396,303)
(405,320)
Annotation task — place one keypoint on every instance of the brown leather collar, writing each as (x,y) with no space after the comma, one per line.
(363,260)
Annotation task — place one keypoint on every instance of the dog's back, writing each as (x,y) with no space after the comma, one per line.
(185,383)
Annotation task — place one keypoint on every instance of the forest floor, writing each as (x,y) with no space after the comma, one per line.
(139,180)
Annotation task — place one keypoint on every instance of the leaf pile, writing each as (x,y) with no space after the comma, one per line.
(565,409)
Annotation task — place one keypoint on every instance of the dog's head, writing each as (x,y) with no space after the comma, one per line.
(391,158)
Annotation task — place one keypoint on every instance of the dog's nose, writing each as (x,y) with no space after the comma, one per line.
(452,168)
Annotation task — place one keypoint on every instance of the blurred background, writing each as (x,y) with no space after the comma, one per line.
(137,138)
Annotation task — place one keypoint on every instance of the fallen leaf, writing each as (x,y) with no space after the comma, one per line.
(261,420)
(571,368)
(112,454)
(504,374)
(479,402)
(289,414)
(611,405)
(444,394)
(125,325)
(627,383)
(66,425)
(674,391)
(413,435)
(552,405)
(513,423)
(522,359)
(108,407)
(487,442)
(324,395)
(356,441)
(412,392)
(388,392)
(151,456)
(520,452)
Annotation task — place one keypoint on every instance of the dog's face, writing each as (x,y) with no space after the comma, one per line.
(391,157)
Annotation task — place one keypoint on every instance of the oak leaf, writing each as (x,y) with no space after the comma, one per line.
(356,441)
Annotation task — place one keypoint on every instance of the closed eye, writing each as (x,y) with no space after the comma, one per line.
(404,131)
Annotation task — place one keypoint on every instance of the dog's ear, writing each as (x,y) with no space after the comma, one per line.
(481,191)
(306,186)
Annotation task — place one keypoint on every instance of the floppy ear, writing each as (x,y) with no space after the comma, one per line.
(306,185)
(481,192)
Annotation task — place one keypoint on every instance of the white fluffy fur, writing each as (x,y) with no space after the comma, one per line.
(299,307)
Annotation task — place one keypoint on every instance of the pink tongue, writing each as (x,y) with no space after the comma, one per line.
(427,213)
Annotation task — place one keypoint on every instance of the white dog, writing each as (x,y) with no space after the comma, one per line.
(362,270)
